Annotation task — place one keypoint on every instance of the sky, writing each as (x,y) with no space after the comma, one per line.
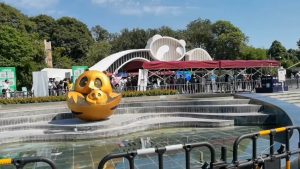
(263,21)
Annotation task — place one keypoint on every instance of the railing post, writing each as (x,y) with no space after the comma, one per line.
(187,156)
(130,158)
(160,152)
(224,154)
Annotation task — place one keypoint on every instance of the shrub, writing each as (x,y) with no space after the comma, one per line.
(155,92)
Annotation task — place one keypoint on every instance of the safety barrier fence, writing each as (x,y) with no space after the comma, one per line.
(209,87)
(269,161)
(17,94)
(20,163)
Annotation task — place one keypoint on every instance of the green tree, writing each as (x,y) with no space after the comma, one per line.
(60,60)
(134,39)
(72,35)
(251,53)
(21,50)
(277,50)
(199,34)
(167,31)
(97,52)
(99,33)
(45,26)
(14,18)
(228,40)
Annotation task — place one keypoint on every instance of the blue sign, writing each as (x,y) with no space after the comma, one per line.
(185,74)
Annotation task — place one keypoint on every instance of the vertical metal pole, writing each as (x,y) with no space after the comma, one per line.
(271,144)
(130,158)
(254,143)
(160,161)
(224,154)
(287,145)
(187,158)
(160,152)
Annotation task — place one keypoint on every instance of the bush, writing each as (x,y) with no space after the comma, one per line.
(32,100)
(148,93)
(63,98)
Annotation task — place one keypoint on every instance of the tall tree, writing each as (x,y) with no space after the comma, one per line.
(251,53)
(45,26)
(99,33)
(199,34)
(130,39)
(228,40)
(97,52)
(21,50)
(60,60)
(72,35)
(167,31)
(277,50)
(14,18)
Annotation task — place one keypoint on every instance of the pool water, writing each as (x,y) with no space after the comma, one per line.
(87,154)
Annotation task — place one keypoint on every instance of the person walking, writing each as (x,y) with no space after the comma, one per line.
(6,89)
(297,79)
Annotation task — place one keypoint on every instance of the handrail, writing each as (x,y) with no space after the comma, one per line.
(254,162)
(160,151)
(271,133)
(19,163)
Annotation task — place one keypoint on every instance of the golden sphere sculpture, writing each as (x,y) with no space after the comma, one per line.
(93,98)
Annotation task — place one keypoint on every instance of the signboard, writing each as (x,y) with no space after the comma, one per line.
(77,71)
(185,74)
(143,79)
(8,73)
(281,74)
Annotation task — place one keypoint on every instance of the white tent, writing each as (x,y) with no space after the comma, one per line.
(58,74)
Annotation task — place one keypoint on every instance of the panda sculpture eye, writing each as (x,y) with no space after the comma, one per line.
(83,81)
(98,83)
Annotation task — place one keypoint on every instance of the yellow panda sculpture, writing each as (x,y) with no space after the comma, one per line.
(93,98)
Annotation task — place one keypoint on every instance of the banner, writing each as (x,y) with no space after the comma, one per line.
(281,74)
(185,74)
(77,71)
(8,73)
(40,84)
(143,79)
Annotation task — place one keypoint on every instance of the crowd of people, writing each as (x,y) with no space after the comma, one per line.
(58,88)
(192,83)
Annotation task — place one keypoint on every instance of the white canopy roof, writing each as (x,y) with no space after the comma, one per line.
(58,74)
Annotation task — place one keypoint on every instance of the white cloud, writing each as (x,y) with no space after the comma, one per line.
(106,1)
(32,4)
(139,7)
(153,10)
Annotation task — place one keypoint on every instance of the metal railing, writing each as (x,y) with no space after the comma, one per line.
(17,94)
(160,152)
(208,87)
(57,92)
(254,163)
(271,133)
(20,163)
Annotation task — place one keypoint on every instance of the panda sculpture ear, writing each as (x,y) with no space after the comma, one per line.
(154,38)
(182,42)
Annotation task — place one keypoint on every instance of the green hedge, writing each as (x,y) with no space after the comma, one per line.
(148,93)
(63,98)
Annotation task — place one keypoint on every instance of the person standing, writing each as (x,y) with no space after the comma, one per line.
(6,89)
(297,79)
(70,85)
